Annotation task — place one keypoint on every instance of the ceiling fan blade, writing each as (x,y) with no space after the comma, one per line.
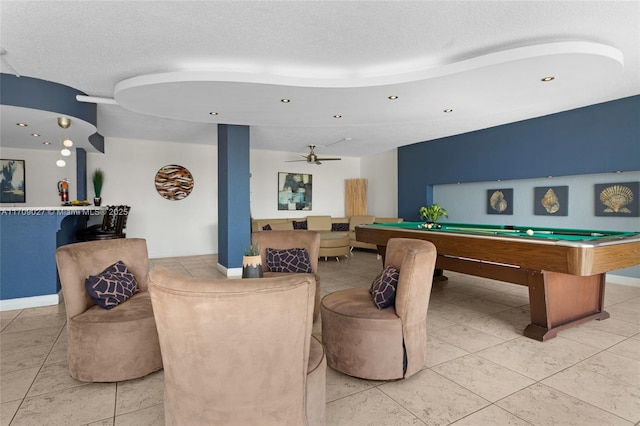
(328,159)
(294,161)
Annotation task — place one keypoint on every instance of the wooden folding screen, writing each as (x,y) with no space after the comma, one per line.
(355,197)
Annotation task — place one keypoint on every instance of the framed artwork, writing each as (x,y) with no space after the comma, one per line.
(551,201)
(174,182)
(617,199)
(12,182)
(294,191)
(500,201)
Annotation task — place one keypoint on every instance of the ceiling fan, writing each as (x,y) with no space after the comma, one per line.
(313,158)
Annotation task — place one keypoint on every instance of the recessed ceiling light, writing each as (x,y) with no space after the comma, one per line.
(22,124)
(337,116)
(545,79)
(213,113)
(46,143)
(448,110)
(393,98)
(285,100)
(35,135)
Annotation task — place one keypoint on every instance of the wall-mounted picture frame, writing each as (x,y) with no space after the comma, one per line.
(619,199)
(13,182)
(500,201)
(295,191)
(551,201)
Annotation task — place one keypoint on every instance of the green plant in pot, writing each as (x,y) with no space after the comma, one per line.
(252,262)
(432,213)
(98,179)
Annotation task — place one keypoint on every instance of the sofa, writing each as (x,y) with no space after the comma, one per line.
(333,230)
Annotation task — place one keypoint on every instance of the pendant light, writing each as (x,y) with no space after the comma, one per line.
(65,142)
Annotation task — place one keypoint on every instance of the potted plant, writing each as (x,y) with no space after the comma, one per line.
(432,213)
(252,262)
(97,178)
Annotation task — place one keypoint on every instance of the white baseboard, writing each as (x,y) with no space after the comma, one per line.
(229,272)
(30,302)
(622,280)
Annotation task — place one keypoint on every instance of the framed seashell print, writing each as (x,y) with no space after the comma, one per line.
(500,201)
(551,201)
(617,199)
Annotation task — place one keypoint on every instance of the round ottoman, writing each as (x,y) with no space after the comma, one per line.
(334,244)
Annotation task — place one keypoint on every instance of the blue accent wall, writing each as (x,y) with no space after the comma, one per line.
(81,174)
(29,239)
(595,139)
(234,217)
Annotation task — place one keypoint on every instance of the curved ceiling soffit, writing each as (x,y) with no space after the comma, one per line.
(40,103)
(192,91)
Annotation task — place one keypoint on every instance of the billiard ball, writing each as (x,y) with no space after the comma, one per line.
(529,231)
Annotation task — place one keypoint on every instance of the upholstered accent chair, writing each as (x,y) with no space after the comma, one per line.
(382,344)
(115,344)
(239,352)
(308,240)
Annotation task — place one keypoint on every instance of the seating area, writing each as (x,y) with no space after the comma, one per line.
(479,369)
(337,234)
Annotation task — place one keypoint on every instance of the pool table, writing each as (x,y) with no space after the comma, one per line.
(564,268)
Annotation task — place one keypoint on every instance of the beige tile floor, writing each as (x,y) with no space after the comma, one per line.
(480,369)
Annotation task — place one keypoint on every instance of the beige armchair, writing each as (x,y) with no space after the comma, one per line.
(239,352)
(308,240)
(108,345)
(382,344)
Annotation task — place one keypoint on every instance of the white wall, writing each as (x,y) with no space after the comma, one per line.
(381,172)
(327,179)
(171,228)
(42,176)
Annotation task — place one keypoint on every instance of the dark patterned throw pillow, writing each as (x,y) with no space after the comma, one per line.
(383,289)
(267,227)
(112,286)
(340,226)
(300,225)
(289,260)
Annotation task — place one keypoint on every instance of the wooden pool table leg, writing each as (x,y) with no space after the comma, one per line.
(558,301)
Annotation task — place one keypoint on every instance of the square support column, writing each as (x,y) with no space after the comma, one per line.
(234,216)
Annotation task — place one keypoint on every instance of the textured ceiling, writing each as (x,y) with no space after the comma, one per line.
(169,63)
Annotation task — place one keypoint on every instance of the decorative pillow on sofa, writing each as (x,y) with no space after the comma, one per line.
(289,260)
(300,225)
(112,286)
(267,227)
(340,226)
(383,288)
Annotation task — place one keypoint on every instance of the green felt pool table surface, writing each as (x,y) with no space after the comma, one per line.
(565,234)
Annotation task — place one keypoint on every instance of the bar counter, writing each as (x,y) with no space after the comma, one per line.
(29,237)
